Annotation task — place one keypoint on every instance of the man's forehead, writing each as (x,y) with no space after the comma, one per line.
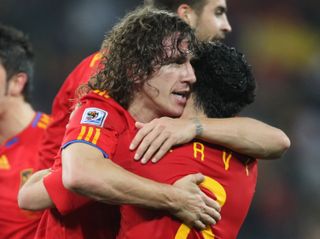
(171,43)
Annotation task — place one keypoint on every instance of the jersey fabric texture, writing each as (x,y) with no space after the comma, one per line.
(18,160)
(98,121)
(62,107)
(230,178)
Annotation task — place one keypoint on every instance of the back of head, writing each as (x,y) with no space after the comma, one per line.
(172,5)
(16,55)
(136,47)
(225,84)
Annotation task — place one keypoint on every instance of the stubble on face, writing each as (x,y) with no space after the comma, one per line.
(212,23)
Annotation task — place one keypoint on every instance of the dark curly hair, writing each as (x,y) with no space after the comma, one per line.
(136,48)
(16,55)
(225,83)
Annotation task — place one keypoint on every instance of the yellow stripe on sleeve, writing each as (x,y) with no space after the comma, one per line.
(45,118)
(95,58)
(89,134)
(96,136)
(102,93)
(42,125)
(82,132)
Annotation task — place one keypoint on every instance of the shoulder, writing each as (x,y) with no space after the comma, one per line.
(41,120)
(98,109)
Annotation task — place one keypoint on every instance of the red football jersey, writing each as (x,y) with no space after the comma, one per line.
(62,107)
(18,160)
(98,121)
(230,179)
(222,168)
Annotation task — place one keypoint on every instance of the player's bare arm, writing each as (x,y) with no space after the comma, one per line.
(34,186)
(86,172)
(244,135)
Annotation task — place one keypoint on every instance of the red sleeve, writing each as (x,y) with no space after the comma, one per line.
(65,200)
(61,110)
(91,123)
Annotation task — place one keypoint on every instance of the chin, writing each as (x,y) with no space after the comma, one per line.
(176,114)
(218,38)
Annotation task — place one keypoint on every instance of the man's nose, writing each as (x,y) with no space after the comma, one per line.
(190,76)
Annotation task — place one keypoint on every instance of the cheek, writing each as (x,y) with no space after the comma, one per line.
(209,25)
(213,23)
(2,88)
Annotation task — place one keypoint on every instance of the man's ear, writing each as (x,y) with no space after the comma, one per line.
(17,83)
(184,11)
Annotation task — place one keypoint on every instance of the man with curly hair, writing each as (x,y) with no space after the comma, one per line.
(225,85)
(150,76)
(18,124)
(124,97)
(209,20)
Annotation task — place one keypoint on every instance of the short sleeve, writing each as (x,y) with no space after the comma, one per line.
(88,125)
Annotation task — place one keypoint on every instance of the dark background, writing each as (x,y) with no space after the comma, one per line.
(281,41)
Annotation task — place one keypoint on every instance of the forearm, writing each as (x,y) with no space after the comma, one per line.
(245,135)
(64,200)
(33,195)
(85,171)
(102,180)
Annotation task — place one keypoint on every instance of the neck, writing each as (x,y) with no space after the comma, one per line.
(15,116)
(191,111)
(140,111)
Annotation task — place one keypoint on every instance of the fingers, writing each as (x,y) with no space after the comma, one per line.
(214,214)
(152,145)
(149,144)
(198,225)
(201,207)
(210,202)
(156,138)
(139,137)
(207,220)
(165,147)
(139,125)
(152,140)
(212,210)
(207,217)
(197,178)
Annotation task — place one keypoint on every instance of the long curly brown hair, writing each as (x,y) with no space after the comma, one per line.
(136,48)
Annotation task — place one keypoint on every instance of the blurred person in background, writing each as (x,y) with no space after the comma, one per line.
(21,132)
(207,17)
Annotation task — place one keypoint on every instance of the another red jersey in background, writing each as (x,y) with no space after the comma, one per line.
(62,107)
(99,122)
(229,179)
(18,160)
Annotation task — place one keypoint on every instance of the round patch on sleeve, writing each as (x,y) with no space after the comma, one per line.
(94,116)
